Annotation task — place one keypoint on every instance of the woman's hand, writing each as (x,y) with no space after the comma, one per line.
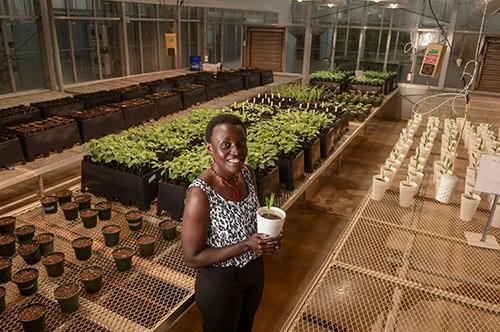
(264,245)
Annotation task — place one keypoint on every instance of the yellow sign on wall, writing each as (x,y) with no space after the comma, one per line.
(171,42)
(433,58)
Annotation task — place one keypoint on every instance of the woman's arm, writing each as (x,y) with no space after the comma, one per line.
(194,234)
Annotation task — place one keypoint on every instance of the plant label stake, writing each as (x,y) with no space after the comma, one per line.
(488,181)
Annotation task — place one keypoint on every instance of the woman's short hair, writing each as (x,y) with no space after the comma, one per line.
(222,119)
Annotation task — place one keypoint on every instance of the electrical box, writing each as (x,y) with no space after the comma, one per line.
(105,64)
(103,35)
(434,55)
(171,42)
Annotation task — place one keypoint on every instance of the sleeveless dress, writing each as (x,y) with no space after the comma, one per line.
(231,222)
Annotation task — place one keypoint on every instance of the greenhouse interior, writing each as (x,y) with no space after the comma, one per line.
(369,126)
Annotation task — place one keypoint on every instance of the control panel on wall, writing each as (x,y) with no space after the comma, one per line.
(433,58)
(105,64)
(102,35)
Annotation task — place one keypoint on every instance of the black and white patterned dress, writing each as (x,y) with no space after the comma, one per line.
(231,222)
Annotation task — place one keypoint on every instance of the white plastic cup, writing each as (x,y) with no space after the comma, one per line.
(270,227)
(438,166)
(406,193)
(379,187)
(416,177)
(469,206)
(447,187)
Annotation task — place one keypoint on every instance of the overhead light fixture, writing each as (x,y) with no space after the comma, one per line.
(331,3)
(393,3)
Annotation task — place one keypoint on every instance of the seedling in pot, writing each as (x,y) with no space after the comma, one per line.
(408,179)
(396,153)
(269,204)
(446,167)
(383,176)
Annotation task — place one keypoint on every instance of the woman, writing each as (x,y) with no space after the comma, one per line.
(219,232)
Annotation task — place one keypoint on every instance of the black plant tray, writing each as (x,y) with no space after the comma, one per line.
(267,185)
(171,198)
(11,153)
(136,94)
(344,121)
(115,184)
(193,97)
(160,87)
(168,105)
(136,115)
(185,81)
(327,142)
(234,83)
(312,154)
(291,170)
(102,125)
(333,86)
(367,88)
(91,103)
(63,109)
(19,119)
(251,81)
(266,77)
(48,140)
(216,90)
(202,77)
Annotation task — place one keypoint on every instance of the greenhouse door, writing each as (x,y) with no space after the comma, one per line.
(490,67)
(265,49)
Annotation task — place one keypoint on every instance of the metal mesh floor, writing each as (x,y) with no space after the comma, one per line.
(150,295)
(407,269)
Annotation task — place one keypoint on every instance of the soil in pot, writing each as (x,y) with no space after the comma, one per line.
(54,264)
(7,225)
(70,210)
(134,219)
(7,245)
(82,247)
(25,275)
(271,215)
(67,296)
(49,204)
(123,258)
(30,252)
(111,235)
(92,278)
(5,269)
(146,245)
(122,253)
(32,317)
(26,281)
(90,273)
(89,217)
(84,201)
(167,228)
(66,290)
(64,196)
(46,241)
(145,239)
(104,209)
(25,233)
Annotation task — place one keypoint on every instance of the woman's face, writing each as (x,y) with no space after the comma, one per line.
(228,148)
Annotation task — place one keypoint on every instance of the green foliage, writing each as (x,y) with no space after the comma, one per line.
(187,166)
(269,204)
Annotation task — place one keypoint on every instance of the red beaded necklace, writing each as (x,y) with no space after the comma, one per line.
(236,192)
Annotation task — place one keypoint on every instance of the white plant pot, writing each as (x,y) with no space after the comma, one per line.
(425,151)
(447,187)
(403,148)
(379,187)
(395,163)
(389,173)
(401,156)
(406,193)
(471,172)
(469,206)
(270,227)
(417,178)
(413,161)
(412,168)
(438,166)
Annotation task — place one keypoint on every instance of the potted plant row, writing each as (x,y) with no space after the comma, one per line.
(133,91)
(167,102)
(136,111)
(14,116)
(60,107)
(11,151)
(98,121)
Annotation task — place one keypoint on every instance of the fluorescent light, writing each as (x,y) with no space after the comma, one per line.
(394,3)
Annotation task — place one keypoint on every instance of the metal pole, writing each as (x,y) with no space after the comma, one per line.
(488,225)
(55,46)
(307,45)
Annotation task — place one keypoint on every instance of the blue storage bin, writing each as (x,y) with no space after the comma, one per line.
(195,63)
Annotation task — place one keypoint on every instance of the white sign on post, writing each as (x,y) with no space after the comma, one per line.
(488,176)
(358,73)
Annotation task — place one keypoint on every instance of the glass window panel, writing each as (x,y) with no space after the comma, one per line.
(147,10)
(85,50)
(64,51)
(442,10)
(131,9)
(189,13)
(193,38)
(347,46)
(166,12)
(404,19)
(106,8)
(271,18)
(214,42)
(397,47)
(112,62)
(295,49)
(81,8)
(324,15)
(232,46)
(377,16)
(184,45)
(17,7)
(28,70)
(468,50)
(214,14)
(493,24)
(298,12)
(149,46)
(321,49)
(254,17)
(468,19)
(355,12)
(167,62)
(59,7)
(5,83)
(133,47)
(374,46)
(340,45)
(233,15)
